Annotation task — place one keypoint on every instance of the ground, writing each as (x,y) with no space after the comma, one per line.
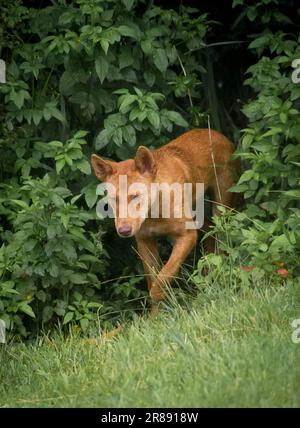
(223,348)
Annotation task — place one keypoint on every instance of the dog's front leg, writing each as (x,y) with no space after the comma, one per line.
(182,247)
(148,252)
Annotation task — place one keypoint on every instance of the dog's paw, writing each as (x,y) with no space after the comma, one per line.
(154,310)
(156,293)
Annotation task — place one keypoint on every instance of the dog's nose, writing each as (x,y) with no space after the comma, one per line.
(125,230)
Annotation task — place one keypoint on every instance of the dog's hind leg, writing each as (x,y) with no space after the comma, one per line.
(222,196)
(221,185)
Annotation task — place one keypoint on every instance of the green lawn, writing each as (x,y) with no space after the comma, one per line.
(225,348)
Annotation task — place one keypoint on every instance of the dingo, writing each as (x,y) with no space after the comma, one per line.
(197,156)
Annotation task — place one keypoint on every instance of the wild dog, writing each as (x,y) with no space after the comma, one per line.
(197,156)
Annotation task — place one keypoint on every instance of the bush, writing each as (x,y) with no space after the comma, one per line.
(47,253)
(118,69)
(266,234)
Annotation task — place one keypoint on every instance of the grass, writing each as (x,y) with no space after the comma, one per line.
(224,348)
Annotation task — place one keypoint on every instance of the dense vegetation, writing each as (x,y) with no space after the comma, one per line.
(106,76)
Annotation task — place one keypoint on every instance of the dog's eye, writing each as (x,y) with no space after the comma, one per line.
(136,196)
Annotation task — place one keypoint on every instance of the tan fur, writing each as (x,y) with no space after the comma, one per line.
(194,158)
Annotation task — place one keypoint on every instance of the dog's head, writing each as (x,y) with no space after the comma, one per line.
(128,188)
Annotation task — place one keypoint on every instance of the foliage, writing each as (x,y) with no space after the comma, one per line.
(48,254)
(266,234)
(112,68)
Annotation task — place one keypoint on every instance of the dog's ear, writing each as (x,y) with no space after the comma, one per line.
(144,161)
(103,168)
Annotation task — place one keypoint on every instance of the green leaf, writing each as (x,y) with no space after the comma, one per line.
(55,144)
(24,307)
(7,285)
(58,115)
(127,31)
(37,116)
(176,118)
(53,270)
(251,13)
(57,200)
(84,323)
(60,165)
(21,204)
(65,218)
(7,288)
(80,134)
(146,46)
(68,317)
(76,278)
(121,91)
(126,100)
(259,42)
(84,166)
(263,247)
(30,244)
(51,231)
(247,140)
(293,194)
(246,176)
(273,131)
(67,82)
(129,135)
(278,242)
(89,258)
(160,59)
(75,198)
(295,93)
(126,58)
(101,66)
(128,4)
(47,313)
(153,118)
(102,139)
(283,117)
(117,137)
(105,45)
(149,78)
(19,97)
